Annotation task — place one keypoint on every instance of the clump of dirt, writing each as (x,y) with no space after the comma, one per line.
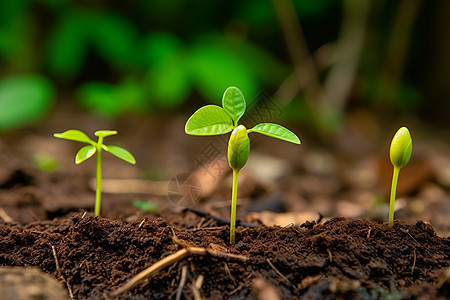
(338,259)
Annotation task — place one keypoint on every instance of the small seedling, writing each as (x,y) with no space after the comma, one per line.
(400,153)
(95,147)
(215,120)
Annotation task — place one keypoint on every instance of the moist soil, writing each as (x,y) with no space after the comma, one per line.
(43,225)
(337,259)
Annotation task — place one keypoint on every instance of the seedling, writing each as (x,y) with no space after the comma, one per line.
(215,120)
(400,153)
(95,147)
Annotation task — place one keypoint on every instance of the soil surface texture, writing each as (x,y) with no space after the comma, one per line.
(338,258)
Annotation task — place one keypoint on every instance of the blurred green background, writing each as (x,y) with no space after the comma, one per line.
(317,59)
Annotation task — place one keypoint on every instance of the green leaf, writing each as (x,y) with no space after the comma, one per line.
(120,153)
(276,131)
(233,103)
(401,148)
(105,133)
(209,120)
(84,153)
(238,148)
(24,100)
(74,135)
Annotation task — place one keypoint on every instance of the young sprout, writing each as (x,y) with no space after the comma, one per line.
(215,120)
(95,147)
(400,153)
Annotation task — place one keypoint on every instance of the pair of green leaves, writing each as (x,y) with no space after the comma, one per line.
(89,150)
(215,120)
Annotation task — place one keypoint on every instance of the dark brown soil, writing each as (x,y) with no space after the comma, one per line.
(42,225)
(338,259)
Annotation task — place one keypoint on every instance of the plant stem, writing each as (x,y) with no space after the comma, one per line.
(392,201)
(233,205)
(98,188)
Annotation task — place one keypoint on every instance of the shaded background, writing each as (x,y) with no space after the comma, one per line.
(343,74)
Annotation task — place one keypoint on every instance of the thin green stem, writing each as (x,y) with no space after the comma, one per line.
(393,192)
(98,188)
(233,205)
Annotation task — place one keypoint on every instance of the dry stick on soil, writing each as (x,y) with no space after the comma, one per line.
(5,216)
(414,261)
(182,283)
(60,273)
(279,273)
(171,259)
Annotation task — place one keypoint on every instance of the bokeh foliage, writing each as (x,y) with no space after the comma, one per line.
(141,56)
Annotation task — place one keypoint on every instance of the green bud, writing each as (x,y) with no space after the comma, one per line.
(238,148)
(401,148)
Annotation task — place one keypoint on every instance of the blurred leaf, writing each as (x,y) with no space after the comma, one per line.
(169,84)
(114,38)
(67,45)
(259,14)
(111,101)
(10,11)
(100,97)
(145,206)
(168,77)
(158,48)
(214,69)
(24,100)
(46,162)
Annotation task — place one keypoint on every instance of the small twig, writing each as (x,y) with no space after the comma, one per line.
(60,273)
(329,255)
(368,233)
(141,223)
(5,216)
(203,228)
(171,259)
(182,283)
(199,225)
(84,214)
(414,261)
(227,269)
(279,273)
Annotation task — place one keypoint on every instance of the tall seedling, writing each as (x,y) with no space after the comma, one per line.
(215,120)
(95,147)
(400,153)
